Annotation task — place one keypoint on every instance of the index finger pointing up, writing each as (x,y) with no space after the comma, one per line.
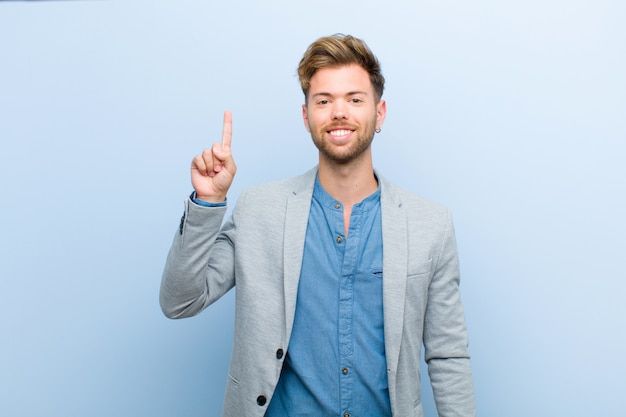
(227,131)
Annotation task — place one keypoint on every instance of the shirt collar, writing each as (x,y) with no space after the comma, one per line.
(327,201)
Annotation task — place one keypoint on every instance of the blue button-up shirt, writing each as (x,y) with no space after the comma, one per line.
(335,364)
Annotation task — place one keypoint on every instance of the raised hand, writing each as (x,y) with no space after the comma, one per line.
(212,172)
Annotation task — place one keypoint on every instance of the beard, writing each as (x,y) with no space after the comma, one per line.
(346,153)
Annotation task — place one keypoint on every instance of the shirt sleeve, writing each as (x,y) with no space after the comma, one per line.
(203,203)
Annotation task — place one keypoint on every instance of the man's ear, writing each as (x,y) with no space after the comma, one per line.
(381,112)
(305,117)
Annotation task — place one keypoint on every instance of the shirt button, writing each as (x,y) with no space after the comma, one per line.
(279,354)
(261,400)
(344,371)
(339,239)
(337,205)
(346,414)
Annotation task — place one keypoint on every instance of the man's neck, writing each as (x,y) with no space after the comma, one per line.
(349,183)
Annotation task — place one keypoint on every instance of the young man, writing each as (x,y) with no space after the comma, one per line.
(341,276)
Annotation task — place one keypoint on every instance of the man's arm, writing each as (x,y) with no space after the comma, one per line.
(445,336)
(200,264)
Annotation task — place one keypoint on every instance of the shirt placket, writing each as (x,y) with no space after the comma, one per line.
(346,311)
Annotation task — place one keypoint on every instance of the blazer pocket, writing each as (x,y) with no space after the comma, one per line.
(418,411)
(420,268)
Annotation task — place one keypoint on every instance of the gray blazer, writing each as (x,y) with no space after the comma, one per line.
(260,250)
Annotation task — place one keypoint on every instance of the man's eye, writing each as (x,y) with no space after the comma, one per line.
(322,102)
(356,100)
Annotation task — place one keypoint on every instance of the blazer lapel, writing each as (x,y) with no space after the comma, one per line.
(394,273)
(296,220)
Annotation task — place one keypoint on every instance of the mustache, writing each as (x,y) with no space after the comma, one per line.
(334,126)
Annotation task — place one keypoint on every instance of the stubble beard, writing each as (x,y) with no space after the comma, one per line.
(348,153)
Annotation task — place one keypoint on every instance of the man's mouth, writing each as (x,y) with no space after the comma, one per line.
(340,133)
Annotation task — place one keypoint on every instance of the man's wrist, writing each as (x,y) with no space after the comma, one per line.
(208,201)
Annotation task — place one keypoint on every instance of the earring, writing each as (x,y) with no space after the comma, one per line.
(377,130)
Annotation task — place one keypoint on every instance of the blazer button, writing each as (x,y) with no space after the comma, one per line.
(279,354)
(261,400)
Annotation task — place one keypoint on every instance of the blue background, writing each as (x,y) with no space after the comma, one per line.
(510,113)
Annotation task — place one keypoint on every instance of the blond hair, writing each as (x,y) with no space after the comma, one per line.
(336,51)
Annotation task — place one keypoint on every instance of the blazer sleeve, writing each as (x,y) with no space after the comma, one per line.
(200,264)
(445,335)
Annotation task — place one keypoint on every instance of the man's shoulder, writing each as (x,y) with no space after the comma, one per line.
(402,196)
(284,187)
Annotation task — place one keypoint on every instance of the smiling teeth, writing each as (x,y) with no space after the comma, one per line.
(343,132)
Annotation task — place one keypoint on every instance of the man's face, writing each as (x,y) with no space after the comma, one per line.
(342,114)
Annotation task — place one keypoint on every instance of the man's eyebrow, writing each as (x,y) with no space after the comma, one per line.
(349,93)
(322,93)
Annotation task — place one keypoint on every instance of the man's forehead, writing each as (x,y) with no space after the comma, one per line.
(344,79)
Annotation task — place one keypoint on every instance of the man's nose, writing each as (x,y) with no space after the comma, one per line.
(340,111)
